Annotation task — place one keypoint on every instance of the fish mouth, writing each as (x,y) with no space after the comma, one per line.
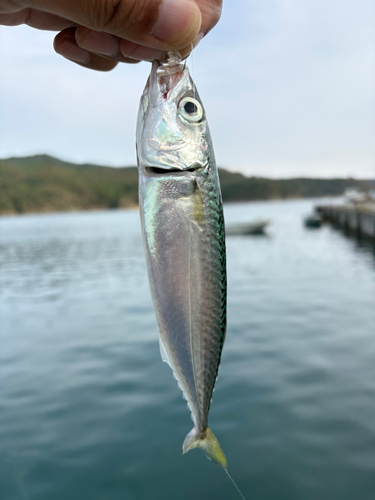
(163,78)
(154,69)
(153,170)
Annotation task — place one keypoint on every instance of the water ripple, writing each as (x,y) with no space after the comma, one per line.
(88,410)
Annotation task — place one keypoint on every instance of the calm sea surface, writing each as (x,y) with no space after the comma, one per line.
(88,411)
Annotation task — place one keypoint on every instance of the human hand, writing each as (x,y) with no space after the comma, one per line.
(98,34)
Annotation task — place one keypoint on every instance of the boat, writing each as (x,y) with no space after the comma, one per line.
(314,221)
(354,196)
(247,228)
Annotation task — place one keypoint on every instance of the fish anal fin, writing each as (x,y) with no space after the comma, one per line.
(163,352)
(165,357)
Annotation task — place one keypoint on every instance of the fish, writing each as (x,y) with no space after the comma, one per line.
(183,232)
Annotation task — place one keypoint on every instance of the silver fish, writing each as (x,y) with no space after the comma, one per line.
(183,232)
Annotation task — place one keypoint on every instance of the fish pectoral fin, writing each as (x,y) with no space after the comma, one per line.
(208,443)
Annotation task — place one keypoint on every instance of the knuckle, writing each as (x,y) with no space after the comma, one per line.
(119,15)
(98,13)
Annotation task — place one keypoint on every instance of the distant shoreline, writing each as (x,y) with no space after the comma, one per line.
(43,184)
(73,211)
(135,208)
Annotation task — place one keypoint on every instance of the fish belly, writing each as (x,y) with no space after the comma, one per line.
(185,250)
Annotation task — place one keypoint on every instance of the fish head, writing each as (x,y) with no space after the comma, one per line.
(172,131)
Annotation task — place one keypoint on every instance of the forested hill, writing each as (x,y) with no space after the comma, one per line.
(44,184)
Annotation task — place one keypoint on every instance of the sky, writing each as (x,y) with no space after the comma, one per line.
(288,87)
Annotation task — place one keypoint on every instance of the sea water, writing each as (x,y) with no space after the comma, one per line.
(88,411)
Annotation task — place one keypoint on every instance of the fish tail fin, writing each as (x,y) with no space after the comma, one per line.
(207,441)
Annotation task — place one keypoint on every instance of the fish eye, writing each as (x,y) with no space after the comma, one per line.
(190,109)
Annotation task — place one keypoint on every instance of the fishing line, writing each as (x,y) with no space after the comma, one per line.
(235,484)
(192,69)
(192,64)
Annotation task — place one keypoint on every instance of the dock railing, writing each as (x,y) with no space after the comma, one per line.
(358,219)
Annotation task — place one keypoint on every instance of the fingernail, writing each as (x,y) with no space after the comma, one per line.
(70,50)
(127,48)
(99,43)
(178,22)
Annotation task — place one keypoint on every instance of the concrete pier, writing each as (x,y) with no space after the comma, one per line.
(358,219)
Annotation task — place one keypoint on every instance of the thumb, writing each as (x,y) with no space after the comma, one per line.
(160,24)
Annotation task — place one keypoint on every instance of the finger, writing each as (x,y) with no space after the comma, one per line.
(66,45)
(35,19)
(160,24)
(44,21)
(211,12)
(113,47)
(140,52)
(109,46)
(14,19)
